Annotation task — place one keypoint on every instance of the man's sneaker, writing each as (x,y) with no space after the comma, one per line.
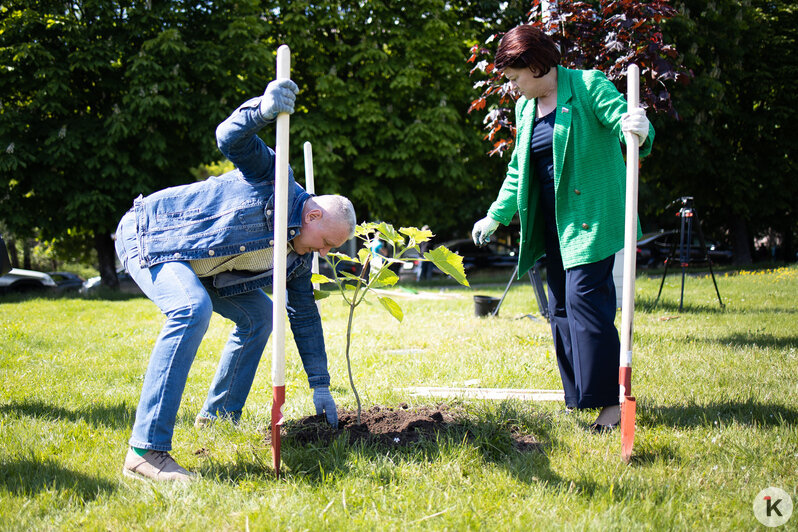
(202,422)
(154,465)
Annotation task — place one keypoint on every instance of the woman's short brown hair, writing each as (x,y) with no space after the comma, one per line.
(526,46)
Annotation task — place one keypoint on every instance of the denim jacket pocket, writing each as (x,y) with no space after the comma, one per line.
(251,217)
(268,212)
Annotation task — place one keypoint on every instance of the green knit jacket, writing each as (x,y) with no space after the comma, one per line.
(589,173)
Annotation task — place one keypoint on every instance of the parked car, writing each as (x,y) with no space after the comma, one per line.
(66,281)
(126,284)
(19,280)
(492,255)
(653,249)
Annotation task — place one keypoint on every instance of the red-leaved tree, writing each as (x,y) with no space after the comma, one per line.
(603,35)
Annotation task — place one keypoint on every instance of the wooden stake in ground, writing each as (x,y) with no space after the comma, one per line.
(280,244)
(630,254)
(310,187)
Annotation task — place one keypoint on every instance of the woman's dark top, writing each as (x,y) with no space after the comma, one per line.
(543,159)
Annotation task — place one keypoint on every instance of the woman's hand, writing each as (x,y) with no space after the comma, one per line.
(637,123)
(483,229)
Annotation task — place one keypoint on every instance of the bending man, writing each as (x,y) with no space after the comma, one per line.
(207,247)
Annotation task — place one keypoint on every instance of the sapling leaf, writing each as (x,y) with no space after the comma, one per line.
(418,235)
(362,255)
(391,306)
(320,294)
(342,256)
(386,277)
(389,233)
(449,263)
(321,279)
(365,228)
(350,276)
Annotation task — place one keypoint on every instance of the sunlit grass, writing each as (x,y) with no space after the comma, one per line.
(717,418)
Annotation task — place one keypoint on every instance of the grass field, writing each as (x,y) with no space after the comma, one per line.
(717,419)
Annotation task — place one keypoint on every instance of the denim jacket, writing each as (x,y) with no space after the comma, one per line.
(223,215)
(232,214)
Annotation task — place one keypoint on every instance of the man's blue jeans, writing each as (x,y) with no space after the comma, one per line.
(188,306)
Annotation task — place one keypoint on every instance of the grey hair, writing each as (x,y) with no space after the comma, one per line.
(340,208)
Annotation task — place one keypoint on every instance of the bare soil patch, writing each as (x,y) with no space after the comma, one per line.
(393,427)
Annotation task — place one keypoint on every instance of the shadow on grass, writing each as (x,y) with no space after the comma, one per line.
(115,416)
(646,304)
(755,339)
(29,476)
(749,412)
(102,294)
(502,435)
(668,305)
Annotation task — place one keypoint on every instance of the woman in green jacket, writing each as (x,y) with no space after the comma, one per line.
(566,181)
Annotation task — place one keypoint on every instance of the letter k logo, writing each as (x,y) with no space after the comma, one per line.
(772,506)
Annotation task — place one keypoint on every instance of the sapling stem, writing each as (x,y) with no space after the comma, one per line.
(352,305)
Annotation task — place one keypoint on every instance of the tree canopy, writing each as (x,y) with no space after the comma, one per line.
(103,100)
(383,97)
(733,150)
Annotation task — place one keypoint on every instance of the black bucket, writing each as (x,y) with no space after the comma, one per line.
(485,305)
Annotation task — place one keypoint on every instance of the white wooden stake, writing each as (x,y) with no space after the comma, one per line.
(280,229)
(630,226)
(310,186)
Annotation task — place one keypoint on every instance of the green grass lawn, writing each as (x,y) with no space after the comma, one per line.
(717,419)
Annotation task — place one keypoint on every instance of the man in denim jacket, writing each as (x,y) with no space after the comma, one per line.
(207,247)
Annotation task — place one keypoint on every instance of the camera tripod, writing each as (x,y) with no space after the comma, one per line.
(686,215)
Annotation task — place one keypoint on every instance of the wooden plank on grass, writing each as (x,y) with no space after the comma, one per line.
(488,393)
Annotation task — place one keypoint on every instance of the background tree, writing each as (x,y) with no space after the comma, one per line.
(103,100)
(601,35)
(728,145)
(384,93)
(734,149)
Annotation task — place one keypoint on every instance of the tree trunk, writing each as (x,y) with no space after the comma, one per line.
(106,255)
(788,243)
(741,242)
(26,264)
(11,244)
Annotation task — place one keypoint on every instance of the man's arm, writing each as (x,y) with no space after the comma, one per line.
(237,135)
(303,315)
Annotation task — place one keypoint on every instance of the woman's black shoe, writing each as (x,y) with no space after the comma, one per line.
(603,429)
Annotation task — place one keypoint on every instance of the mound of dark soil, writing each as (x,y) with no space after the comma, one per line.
(389,426)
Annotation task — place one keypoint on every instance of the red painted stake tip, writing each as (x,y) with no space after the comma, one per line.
(628,408)
(278,400)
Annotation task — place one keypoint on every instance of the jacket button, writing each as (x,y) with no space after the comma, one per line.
(176,255)
(268,213)
(585,226)
(271,242)
(211,252)
(577,191)
(292,232)
(242,248)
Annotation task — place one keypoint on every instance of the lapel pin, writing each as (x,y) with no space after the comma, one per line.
(565,110)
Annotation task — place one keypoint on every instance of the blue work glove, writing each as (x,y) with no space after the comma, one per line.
(637,123)
(483,229)
(325,404)
(279,97)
